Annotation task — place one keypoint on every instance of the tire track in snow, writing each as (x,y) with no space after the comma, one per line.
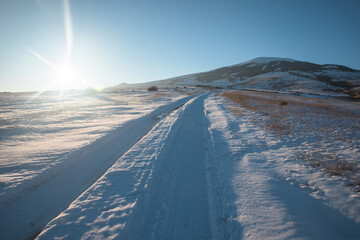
(176,202)
(188,216)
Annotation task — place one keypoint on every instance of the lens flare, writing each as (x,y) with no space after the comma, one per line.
(68,31)
(65,78)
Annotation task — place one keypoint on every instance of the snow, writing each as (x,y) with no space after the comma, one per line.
(189,81)
(331,67)
(159,186)
(265,192)
(33,130)
(221,83)
(194,172)
(288,82)
(322,81)
(46,182)
(338,75)
(252,65)
(266,60)
(301,73)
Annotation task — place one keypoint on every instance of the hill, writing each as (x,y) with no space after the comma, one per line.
(272,74)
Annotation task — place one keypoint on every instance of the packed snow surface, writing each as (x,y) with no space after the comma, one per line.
(191,169)
(159,186)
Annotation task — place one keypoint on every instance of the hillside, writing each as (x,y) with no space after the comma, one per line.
(274,74)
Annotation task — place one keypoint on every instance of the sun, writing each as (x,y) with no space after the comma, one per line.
(64,74)
(65,77)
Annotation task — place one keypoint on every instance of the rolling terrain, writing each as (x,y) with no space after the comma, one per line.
(264,149)
(204,172)
(272,74)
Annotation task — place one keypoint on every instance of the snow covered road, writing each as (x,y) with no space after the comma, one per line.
(176,203)
(161,184)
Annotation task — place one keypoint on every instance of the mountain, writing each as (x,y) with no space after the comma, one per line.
(274,74)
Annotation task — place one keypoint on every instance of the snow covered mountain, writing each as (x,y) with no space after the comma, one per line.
(276,74)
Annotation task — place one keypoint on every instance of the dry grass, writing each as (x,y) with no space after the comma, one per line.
(270,107)
(324,125)
(332,165)
(283,103)
(236,110)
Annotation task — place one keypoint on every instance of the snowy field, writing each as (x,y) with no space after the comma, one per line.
(37,133)
(269,188)
(140,165)
(43,137)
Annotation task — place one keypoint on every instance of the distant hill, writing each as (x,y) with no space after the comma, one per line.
(274,74)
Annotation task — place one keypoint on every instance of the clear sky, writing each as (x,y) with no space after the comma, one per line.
(94,43)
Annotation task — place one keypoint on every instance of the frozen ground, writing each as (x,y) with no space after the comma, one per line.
(267,191)
(204,172)
(53,148)
(36,133)
(159,186)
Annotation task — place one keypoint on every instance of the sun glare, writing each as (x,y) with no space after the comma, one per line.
(64,77)
(65,74)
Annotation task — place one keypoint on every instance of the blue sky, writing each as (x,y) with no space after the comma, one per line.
(137,41)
